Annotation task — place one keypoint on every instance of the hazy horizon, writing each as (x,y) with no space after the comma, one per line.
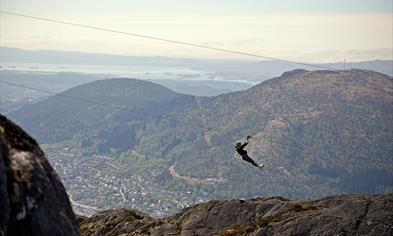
(309,31)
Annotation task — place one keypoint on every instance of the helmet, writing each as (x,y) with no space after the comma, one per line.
(238,142)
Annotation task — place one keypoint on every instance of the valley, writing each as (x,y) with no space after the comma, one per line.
(319,133)
(84,177)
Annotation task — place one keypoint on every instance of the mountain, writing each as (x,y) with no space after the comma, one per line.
(13,98)
(33,201)
(274,68)
(338,215)
(107,119)
(9,54)
(319,133)
(248,69)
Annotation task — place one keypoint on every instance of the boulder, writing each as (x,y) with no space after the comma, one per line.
(33,201)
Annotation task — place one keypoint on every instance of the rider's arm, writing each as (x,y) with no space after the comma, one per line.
(243,145)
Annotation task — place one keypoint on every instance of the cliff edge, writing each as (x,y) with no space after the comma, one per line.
(33,200)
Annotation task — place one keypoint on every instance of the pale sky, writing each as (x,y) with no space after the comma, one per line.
(304,30)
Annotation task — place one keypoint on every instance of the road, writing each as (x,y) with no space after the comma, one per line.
(195,180)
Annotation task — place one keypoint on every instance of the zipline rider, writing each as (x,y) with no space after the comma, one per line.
(243,153)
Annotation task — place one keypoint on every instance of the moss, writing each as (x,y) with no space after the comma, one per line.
(248,228)
(129,218)
(92,228)
(266,221)
(270,220)
(238,229)
(300,207)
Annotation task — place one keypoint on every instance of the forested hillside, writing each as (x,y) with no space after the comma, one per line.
(319,133)
(103,116)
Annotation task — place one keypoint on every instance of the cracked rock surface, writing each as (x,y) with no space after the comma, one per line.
(337,215)
(33,200)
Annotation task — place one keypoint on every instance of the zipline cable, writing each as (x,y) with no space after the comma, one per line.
(107,105)
(167,40)
(120,107)
(208,128)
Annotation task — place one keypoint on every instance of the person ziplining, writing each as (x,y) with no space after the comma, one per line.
(243,153)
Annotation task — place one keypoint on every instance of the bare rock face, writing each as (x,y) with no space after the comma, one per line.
(337,215)
(118,222)
(33,201)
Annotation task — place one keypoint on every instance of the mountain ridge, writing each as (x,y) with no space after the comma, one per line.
(243,68)
(103,99)
(319,133)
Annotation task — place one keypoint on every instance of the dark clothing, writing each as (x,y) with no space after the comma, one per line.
(244,154)
(248,159)
(240,149)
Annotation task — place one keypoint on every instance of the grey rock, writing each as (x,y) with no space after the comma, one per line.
(337,215)
(33,200)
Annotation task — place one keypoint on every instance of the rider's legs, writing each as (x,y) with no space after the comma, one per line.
(248,159)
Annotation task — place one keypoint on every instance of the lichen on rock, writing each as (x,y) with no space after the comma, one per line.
(33,201)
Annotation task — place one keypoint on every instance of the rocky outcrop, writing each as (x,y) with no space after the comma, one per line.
(33,201)
(118,222)
(338,215)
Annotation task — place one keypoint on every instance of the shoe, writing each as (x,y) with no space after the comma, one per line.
(261,166)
